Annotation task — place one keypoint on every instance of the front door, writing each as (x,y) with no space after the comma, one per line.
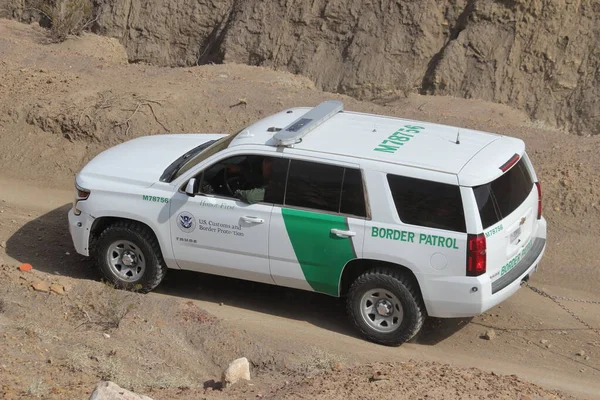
(216,231)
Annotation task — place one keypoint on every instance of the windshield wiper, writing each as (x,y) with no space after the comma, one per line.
(172,169)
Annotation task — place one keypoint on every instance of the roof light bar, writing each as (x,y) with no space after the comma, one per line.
(295,131)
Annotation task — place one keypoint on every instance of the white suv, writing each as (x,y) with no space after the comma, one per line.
(403,218)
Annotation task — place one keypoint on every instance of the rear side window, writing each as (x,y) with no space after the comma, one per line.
(325,187)
(499,198)
(426,203)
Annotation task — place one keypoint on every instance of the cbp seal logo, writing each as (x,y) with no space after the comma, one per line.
(186,222)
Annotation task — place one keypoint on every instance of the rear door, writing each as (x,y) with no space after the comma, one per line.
(508,208)
(319,227)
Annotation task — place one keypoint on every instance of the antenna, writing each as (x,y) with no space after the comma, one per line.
(458,137)
(294,132)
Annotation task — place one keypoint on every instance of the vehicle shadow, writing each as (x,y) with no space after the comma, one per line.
(45,243)
(436,330)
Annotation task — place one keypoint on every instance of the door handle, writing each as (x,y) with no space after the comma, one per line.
(341,233)
(253,220)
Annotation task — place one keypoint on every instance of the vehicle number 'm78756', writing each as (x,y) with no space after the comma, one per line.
(398,138)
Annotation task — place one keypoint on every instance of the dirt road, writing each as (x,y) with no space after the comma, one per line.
(536,340)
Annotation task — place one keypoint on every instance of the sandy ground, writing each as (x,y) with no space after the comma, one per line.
(60,104)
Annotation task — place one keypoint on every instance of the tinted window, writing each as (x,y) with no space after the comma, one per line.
(498,199)
(313,185)
(353,196)
(426,203)
(276,183)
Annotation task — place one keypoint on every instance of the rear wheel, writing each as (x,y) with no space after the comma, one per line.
(129,256)
(385,307)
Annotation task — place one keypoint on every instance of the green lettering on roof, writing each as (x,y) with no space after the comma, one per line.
(399,138)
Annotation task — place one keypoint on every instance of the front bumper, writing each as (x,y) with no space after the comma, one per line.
(79,228)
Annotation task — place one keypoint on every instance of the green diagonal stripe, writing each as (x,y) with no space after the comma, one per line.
(321,254)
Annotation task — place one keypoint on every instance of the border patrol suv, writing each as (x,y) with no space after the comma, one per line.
(405,219)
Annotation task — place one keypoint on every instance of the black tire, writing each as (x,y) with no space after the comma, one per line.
(397,284)
(142,237)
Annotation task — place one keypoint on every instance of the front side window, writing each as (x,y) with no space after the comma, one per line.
(426,203)
(249,178)
(325,187)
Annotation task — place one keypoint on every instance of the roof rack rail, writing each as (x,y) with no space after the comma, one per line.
(294,132)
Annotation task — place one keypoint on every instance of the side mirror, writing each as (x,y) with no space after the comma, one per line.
(190,188)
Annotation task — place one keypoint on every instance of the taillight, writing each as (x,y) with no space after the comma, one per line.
(511,161)
(539,190)
(476,255)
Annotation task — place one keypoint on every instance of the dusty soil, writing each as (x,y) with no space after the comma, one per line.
(60,104)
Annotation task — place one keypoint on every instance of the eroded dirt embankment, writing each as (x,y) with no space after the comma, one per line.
(540,56)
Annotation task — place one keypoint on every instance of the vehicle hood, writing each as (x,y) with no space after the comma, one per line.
(142,161)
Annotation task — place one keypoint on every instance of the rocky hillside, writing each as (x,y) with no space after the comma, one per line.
(541,56)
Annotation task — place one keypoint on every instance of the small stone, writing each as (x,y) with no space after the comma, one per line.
(580,353)
(41,286)
(543,341)
(58,289)
(548,346)
(25,267)
(337,366)
(490,334)
(378,376)
(111,391)
(106,335)
(67,253)
(3,244)
(237,369)
(586,358)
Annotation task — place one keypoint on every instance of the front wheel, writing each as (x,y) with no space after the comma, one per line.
(129,256)
(385,307)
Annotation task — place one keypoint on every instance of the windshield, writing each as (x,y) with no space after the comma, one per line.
(216,147)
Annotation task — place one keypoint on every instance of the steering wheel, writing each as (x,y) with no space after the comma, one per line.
(236,181)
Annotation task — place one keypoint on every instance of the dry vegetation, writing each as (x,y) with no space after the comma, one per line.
(66,17)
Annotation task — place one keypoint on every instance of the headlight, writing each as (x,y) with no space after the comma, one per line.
(80,195)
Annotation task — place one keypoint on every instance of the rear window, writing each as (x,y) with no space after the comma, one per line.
(497,199)
(426,203)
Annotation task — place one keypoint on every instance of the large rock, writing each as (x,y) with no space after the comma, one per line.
(541,56)
(237,370)
(165,32)
(111,391)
